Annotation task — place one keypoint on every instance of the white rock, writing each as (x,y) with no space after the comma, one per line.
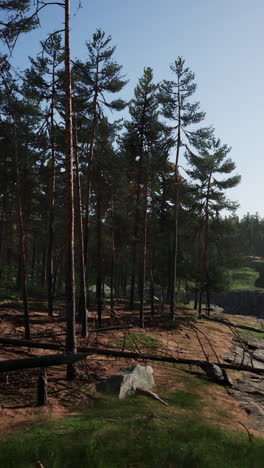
(126,381)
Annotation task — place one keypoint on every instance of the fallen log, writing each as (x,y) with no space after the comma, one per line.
(40,361)
(90,330)
(172,360)
(231,324)
(29,344)
(112,353)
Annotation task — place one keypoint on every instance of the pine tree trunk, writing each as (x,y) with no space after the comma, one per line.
(112,256)
(152,307)
(144,256)
(69,202)
(134,252)
(99,262)
(33,261)
(89,169)
(206,240)
(50,265)
(125,285)
(43,268)
(162,300)
(176,210)
(18,274)
(136,224)
(200,301)
(22,237)
(195,299)
(82,303)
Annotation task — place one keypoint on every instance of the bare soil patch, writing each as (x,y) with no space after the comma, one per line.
(191,339)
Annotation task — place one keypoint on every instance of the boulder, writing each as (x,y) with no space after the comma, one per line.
(126,381)
(106,290)
(217,374)
(213,308)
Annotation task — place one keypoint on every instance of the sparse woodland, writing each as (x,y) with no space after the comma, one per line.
(113,214)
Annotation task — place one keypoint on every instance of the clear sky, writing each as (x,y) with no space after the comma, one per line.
(222,42)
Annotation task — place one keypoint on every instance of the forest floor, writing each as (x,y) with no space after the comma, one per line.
(185,388)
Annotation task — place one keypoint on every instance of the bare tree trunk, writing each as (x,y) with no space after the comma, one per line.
(200,301)
(112,255)
(125,285)
(89,168)
(22,238)
(42,387)
(144,256)
(176,210)
(50,265)
(43,268)
(82,304)
(69,202)
(99,261)
(195,299)
(152,306)
(18,274)
(33,262)
(134,251)
(136,225)
(206,239)
(162,300)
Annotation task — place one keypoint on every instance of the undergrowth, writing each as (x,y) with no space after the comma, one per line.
(139,340)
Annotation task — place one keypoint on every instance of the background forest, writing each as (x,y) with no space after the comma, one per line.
(115,217)
(150,191)
(133,208)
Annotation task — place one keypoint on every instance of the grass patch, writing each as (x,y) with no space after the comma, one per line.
(244,278)
(137,431)
(185,400)
(140,340)
(252,334)
(176,324)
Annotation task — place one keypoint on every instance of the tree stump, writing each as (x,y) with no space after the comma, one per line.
(42,387)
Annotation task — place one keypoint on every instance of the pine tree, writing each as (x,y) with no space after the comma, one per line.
(141,143)
(16,19)
(40,85)
(95,80)
(207,171)
(174,97)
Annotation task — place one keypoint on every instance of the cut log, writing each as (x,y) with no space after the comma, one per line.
(42,387)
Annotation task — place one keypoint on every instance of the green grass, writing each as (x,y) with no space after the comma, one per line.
(140,340)
(244,278)
(134,432)
(252,334)
(185,399)
(176,324)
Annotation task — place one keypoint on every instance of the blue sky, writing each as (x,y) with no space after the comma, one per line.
(222,42)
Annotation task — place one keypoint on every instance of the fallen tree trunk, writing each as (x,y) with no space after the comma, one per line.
(29,344)
(231,324)
(40,361)
(57,359)
(172,360)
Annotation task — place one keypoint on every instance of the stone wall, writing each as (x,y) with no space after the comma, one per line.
(241,302)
